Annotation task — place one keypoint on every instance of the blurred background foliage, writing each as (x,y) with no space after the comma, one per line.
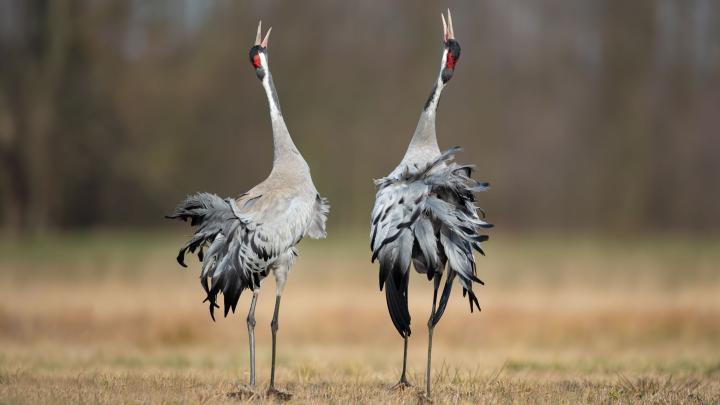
(590,116)
(596,122)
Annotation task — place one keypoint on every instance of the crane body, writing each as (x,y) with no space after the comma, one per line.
(425,215)
(241,241)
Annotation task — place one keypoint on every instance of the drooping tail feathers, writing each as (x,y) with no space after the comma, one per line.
(444,298)
(219,230)
(396,295)
(429,216)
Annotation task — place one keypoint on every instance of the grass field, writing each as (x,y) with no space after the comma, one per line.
(111,318)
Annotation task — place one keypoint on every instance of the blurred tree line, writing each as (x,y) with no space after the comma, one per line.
(584,115)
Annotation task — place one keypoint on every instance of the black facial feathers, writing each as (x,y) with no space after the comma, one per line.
(453,55)
(453,48)
(255,52)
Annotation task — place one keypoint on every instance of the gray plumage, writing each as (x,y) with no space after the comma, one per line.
(425,214)
(240,241)
(255,233)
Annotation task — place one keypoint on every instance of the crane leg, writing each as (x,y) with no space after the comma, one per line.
(274,329)
(249,392)
(251,336)
(281,273)
(436,282)
(272,391)
(403,383)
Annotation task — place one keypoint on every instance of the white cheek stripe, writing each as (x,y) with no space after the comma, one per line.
(443,60)
(274,110)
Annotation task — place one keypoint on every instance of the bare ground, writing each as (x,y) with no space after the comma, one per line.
(112,319)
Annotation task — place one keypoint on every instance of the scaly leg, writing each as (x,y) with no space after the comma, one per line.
(249,392)
(251,336)
(274,328)
(272,391)
(403,383)
(436,281)
(281,272)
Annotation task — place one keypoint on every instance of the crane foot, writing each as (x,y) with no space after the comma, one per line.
(279,395)
(243,393)
(402,385)
(423,398)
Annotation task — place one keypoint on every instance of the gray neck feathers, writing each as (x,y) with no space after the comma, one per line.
(285,153)
(424,141)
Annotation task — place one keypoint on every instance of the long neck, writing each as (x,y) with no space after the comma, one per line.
(285,153)
(424,140)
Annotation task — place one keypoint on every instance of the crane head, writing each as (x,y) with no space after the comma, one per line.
(451,53)
(258,53)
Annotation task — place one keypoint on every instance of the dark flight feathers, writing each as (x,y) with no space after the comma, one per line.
(219,231)
(427,216)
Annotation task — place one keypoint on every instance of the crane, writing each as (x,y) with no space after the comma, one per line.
(240,241)
(425,214)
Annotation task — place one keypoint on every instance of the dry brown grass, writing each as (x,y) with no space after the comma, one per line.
(111,319)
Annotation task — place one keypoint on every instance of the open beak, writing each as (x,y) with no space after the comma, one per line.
(264,42)
(448,32)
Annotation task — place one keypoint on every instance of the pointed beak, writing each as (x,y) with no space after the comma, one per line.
(448,32)
(264,41)
(259,34)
